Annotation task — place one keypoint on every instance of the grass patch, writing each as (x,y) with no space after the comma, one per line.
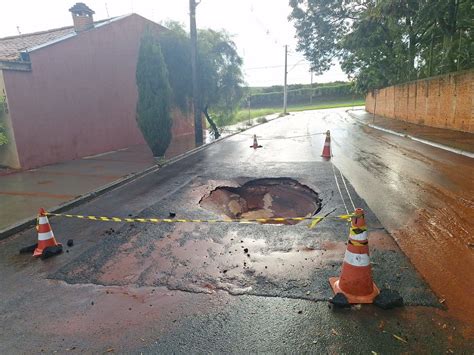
(243,115)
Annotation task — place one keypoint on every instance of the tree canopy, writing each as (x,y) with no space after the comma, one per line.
(385,42)
(3,131)
(219,71)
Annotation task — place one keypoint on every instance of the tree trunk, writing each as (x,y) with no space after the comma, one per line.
(211,123)
(411,49)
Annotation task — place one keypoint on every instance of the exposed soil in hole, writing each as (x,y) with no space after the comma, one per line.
(264,198)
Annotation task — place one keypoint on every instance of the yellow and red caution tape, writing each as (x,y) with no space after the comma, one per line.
(314,219)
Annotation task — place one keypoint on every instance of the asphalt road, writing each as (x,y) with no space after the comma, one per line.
(192,288)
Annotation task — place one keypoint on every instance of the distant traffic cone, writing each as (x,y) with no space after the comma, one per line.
(255,144)
(355,281)
(45,234)
(327,146)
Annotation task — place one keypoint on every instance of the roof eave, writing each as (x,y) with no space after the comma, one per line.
(15,65)
(73,34)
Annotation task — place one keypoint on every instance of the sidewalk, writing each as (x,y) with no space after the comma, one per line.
(23,193)
(456,140)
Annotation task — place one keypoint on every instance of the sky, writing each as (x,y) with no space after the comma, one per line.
(259,28)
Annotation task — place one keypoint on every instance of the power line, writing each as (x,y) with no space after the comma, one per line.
(264,26)
(297,63)
(289,91)
(276,66)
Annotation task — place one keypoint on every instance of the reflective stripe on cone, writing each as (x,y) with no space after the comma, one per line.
(355,281)
(327,146)
(45,234)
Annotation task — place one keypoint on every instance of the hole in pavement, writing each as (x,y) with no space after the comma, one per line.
(264,198)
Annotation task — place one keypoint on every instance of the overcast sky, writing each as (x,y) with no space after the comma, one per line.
(260,29)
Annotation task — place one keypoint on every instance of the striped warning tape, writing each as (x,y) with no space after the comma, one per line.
(315,219)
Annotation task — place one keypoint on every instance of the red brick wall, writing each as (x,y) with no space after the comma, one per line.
(445,101)
(80,97)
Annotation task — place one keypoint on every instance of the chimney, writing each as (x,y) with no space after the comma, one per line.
(82,17)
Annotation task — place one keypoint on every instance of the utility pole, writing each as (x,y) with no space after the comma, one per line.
(285,88)
(375,105)
(196,106)
(248,101)
(311,92)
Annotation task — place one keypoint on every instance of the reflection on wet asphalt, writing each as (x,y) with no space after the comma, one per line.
(251,288)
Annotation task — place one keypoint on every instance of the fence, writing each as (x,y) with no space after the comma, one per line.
(444,101)
(303,96)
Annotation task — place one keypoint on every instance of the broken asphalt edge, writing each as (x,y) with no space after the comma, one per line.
(31,221)
(424,141)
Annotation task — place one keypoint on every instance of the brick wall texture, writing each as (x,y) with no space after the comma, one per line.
(445,101)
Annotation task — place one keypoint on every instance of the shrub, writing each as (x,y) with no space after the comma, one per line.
(3,130)
(154,95)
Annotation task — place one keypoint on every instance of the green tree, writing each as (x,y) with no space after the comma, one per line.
(3,131)
(154,95)
(384,42)
(220,75)
(447,43)
(177,53)
(219,72)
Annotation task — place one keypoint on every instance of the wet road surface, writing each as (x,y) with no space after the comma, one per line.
(424,196)
(231,287)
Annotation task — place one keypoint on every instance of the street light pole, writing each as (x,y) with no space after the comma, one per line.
(248,101)
(285,88)
(196,107)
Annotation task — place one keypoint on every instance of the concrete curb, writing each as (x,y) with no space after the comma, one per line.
(424,141)
(30,222)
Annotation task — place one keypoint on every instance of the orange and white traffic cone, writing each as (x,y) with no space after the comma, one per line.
(355,281)
(45,234)
(255,144)
(327,146)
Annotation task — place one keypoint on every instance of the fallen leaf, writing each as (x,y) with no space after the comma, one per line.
(109,350)
(374,353)
(381,324)
(333,331)
(399,338)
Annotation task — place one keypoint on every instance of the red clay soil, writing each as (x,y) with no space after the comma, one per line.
(440,242)
(451,138)
(264,198)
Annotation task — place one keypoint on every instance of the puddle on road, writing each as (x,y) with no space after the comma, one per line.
(264,198)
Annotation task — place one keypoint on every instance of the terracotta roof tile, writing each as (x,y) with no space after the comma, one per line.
(10,47)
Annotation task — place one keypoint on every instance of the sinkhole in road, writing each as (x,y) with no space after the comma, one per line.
(264,198)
